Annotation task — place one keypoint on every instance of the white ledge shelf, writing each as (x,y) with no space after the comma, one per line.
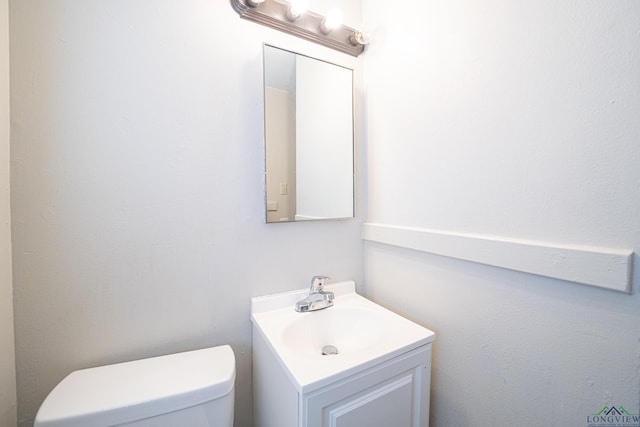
(608,268)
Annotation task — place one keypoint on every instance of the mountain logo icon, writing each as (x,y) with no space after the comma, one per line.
(614,411)
(613,416)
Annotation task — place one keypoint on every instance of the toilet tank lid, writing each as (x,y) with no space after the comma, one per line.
(130,391)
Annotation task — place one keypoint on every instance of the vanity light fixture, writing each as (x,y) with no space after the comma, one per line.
(288,17)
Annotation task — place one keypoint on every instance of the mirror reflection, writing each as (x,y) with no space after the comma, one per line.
(308,107)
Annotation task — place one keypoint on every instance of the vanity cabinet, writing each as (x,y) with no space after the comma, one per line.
(380,377)
(391,393)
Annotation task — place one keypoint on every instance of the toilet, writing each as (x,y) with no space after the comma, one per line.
(194,388)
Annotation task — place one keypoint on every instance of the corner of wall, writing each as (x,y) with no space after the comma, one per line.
(8,404)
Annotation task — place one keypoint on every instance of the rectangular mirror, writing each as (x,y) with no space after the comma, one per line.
(309,164)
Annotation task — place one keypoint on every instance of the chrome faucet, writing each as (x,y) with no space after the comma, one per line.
(318,298)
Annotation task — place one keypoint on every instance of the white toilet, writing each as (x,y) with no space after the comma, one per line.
(194,388)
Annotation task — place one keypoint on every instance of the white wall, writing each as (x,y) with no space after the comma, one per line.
(7,359)
(138,205)
(517,120)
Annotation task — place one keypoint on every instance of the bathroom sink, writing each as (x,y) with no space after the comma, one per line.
(363,333)
(349,329)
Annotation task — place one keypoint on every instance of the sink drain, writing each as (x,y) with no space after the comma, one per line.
(329,350)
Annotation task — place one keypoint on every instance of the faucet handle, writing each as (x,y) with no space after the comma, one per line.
(317,283)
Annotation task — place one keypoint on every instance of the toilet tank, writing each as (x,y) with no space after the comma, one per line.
(194,388)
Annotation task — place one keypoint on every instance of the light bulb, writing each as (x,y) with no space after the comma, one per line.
(255,3)
(297,8)
(332,21)
(359,38)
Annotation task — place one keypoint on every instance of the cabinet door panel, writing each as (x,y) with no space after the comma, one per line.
(394,393)
(384,406)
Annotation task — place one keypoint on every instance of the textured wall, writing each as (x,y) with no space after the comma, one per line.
(138,216)
(7,360)
(518,120)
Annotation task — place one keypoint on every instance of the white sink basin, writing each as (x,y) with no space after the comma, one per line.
(363,332)
(349,329)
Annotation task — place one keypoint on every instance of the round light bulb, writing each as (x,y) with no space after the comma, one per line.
(299,7)
(359,38)
(332,21)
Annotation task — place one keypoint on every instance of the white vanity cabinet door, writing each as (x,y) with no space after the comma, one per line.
(394,393)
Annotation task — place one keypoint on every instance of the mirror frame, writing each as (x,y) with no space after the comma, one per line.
(352,142)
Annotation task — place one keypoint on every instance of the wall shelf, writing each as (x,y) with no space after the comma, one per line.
(606,268)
